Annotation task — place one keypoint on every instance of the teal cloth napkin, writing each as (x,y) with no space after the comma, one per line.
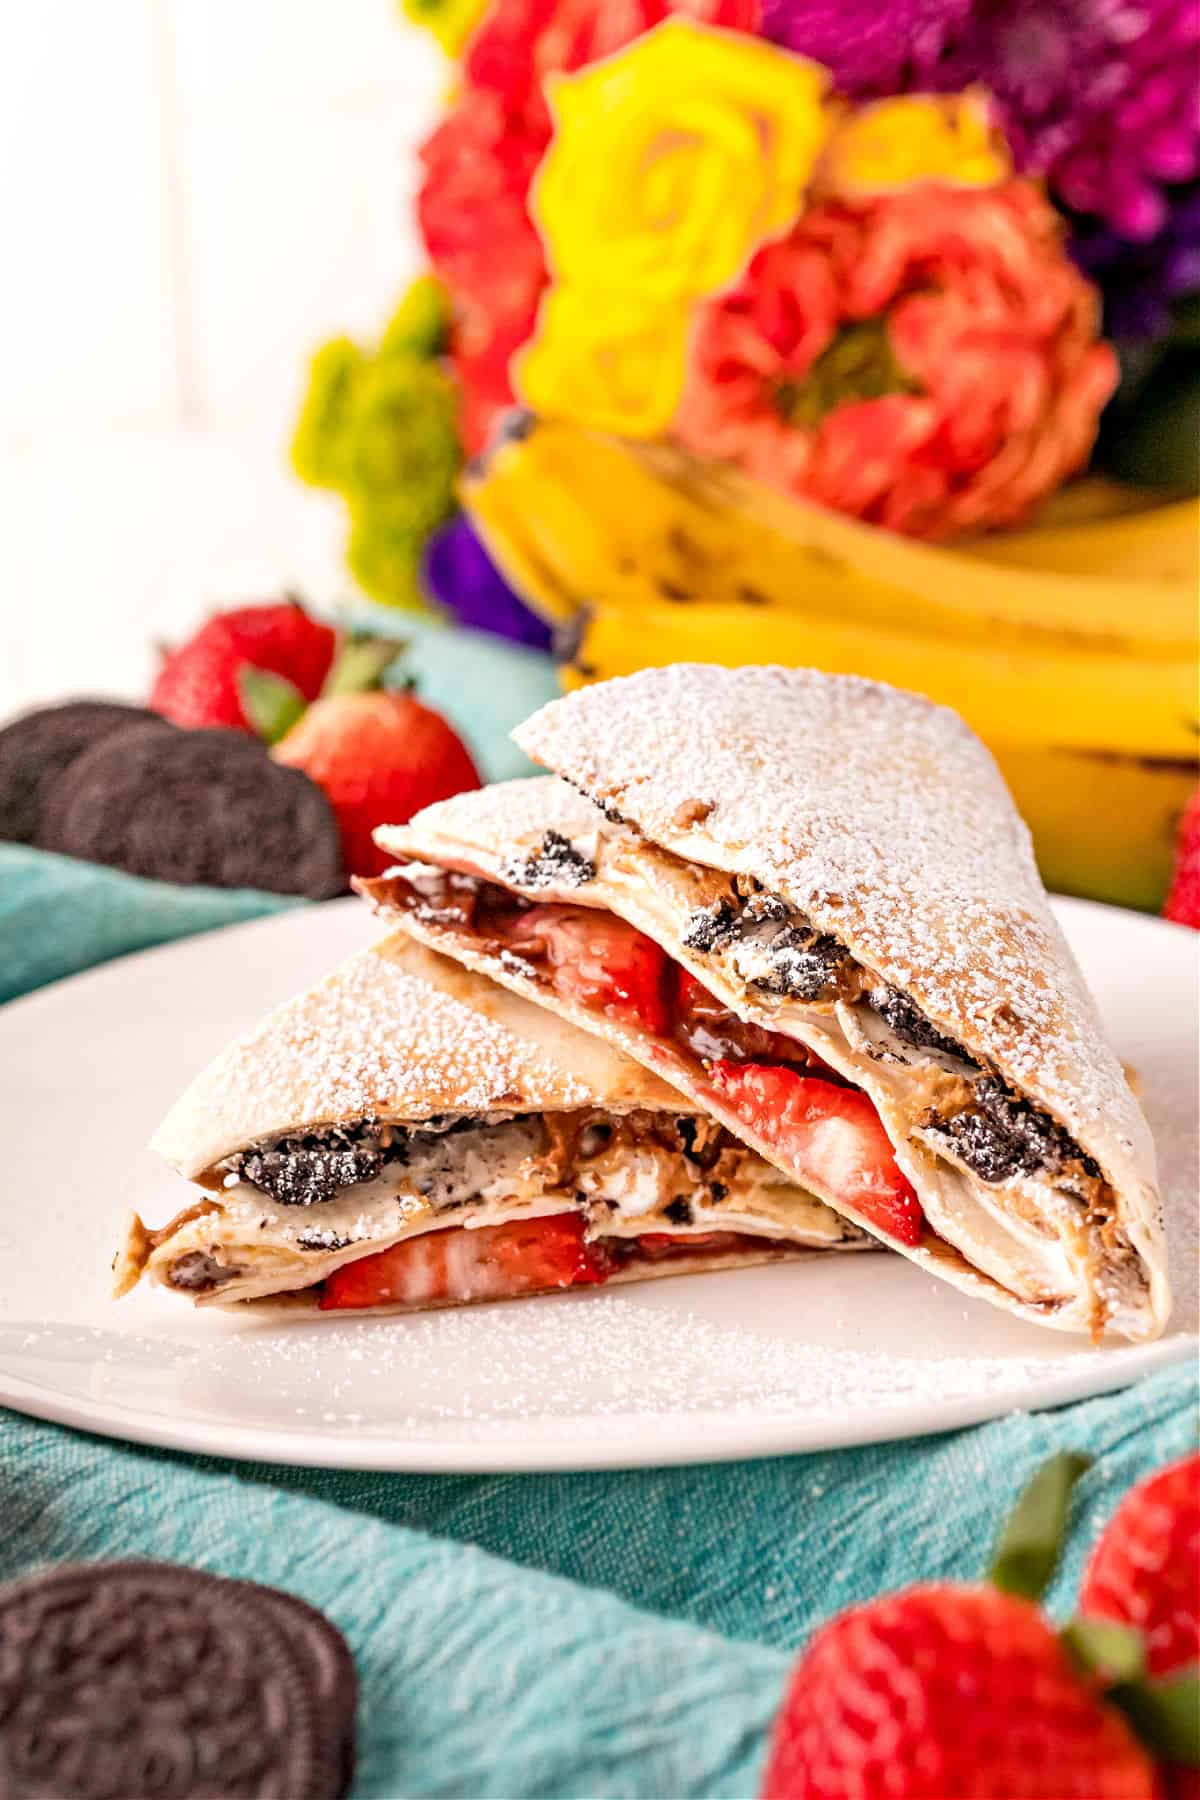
(596,1634)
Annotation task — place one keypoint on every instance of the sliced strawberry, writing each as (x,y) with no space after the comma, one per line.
(598,961)
(660,1246)
(493,1262)
(832,1138)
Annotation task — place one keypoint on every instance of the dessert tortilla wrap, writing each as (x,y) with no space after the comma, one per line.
(871,829)
(404,1095)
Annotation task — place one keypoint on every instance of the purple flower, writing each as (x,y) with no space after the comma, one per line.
(459,572)
(1139,282)
(872,47)
(1100,96)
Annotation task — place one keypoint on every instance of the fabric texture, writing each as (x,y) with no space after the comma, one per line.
(610,1634)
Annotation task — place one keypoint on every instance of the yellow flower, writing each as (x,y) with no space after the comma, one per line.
(450,21)
(672,160)
(602,360)
(919,137)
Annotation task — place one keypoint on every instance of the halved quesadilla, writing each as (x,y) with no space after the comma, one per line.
(807,901)
(408,1135)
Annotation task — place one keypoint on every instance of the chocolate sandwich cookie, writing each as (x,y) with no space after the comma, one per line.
(36,748)
(196,807)
(132,1680)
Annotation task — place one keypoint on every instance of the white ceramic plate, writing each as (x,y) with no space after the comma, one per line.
(831,1351)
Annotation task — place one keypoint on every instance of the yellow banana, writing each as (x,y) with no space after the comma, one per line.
(1016,692)
(575,518)
(1070,647)
(1131,541)
(1103,820)
(1104,825)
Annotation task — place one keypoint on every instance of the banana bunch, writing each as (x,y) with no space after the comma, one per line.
(1070,647)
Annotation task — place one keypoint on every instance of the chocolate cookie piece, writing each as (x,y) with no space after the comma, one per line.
(308,1170)
(36,748)
(556,863)
(196,807)
(126,1680)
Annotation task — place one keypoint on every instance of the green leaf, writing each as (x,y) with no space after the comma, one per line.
(1102,1647)
(1165,1714)
(359,665)
(1030,1542)
(271,703)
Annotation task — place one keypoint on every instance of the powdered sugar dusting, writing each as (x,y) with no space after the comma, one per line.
(377,1038)
(510,818)
(882,818)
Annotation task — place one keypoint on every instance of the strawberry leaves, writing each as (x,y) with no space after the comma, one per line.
(271,703)
(360,663)
(1164,1713)
(1100,1647)
(1028,1550)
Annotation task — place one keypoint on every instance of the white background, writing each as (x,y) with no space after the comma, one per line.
(192,194)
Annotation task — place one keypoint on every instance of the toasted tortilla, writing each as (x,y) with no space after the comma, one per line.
(884,822)
(401,1037)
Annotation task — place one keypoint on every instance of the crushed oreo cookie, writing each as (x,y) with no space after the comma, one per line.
(313,1238)
(309,1170)
(802,964)
(795,961)
(557,863)
(197,1271)
(902,1016)
(710,927)
(1001,1136)
(678,1210)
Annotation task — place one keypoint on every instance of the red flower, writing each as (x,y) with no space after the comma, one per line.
(481,352)
(472,212)
(926,360)
(519,42)
(472,205)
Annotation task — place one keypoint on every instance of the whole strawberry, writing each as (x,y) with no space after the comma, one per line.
(380,757)
(1145,1569)
(1183,899)
(948,1693)
(961,1693)
(1145,1573)
(202,682)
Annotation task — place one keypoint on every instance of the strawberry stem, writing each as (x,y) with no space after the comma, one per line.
(1030,1542)
(359,665)
(1102,1647)
(1164,1714)
(271,703)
